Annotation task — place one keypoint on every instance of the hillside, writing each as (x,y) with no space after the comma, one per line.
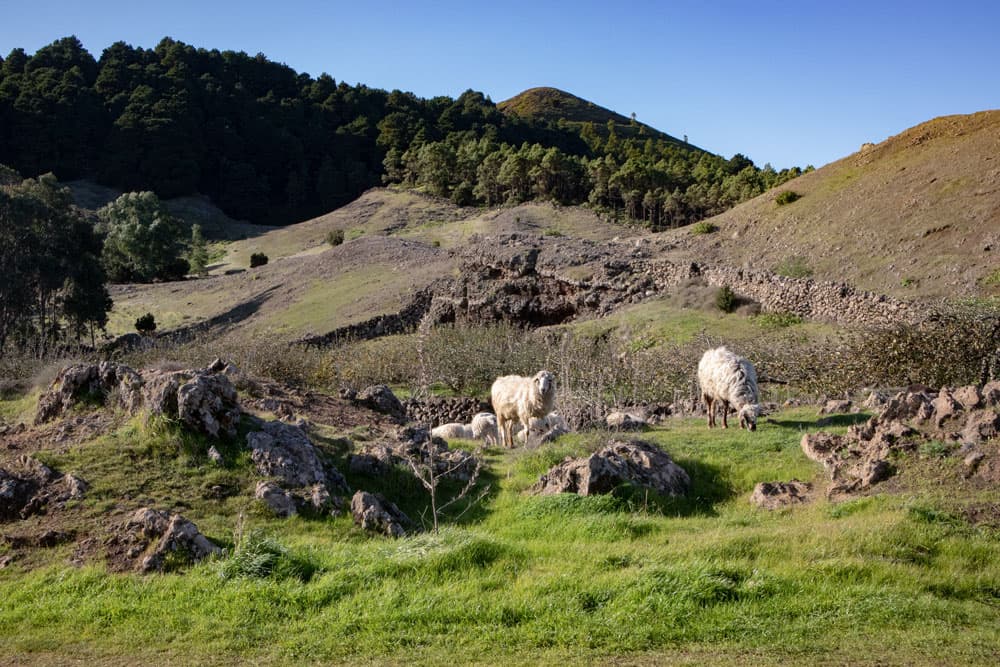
(917,215)
(546,104)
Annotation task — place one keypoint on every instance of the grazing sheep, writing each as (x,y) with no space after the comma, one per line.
(517,399)
(484,427)
(452,430)
(731,380)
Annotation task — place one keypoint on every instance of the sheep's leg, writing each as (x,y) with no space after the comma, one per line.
(500,427)
(725,414)
(710,408)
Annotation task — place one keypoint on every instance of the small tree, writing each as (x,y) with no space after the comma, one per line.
(146,324)
(425,470)
(257,259)
(725,299)
(198,252)
(142,241)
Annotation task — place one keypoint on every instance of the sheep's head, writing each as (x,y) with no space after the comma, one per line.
(748,417)
(545,383)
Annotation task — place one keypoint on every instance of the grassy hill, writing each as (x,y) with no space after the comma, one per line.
(917,215)
(554,105)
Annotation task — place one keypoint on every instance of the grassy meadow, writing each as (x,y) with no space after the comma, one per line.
(895,578)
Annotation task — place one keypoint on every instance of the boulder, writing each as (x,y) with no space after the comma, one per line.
(619,462)
(381,399)
(208,403)
(374,513)
(990,394)
(625,421)
(823,448)
(835,407)
(981,425)
(777,495)
(30,487)
(416,445)
(907,405)
(876,400)
(77,382)
(284,452)
(150,538)
(945,407)
(969,397)
(276,498)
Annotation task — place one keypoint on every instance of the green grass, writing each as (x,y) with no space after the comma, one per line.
(882,580)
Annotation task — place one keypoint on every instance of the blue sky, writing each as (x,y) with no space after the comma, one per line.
(790,83)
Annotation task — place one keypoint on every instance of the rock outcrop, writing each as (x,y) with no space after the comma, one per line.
(30,487)
(202,399)
(381,399)
(620,462)
(297,476)
(96,382)
(778,495)
(376,514)
(416,445)
(155,540)
(968,415)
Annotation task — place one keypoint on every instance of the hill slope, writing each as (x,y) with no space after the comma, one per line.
(917,215)
(552,105)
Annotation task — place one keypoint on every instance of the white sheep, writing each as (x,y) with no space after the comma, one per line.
(730,379)
(452,430)
(484,427)
(544,429)
(517,399)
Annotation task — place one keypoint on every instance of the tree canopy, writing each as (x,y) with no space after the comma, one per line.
(53,285)
(273,145)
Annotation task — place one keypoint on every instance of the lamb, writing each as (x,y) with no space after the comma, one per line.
(484,427)
(452,430)
(730,379)
(546,428)
(518,398)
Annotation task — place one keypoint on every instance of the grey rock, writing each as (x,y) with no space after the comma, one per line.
(285,452)
(619,462)
(374,513)
(155,534)
(214,456)
(981,425)
(381,399)
(836,407)
(778,495)
(276,498)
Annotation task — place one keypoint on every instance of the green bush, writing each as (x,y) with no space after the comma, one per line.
(703,228)
(146,324)
(335,237)
(787,197)
(258,556)
(257,259)
(725,299)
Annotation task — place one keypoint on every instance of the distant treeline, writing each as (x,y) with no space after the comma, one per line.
(275,146)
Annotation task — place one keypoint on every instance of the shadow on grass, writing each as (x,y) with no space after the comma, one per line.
(708,488)
(843,420)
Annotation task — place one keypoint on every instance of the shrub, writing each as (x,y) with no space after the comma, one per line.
(335,237)
(257,259)
(794,267)
(258,556)
(146,324)
(777,320)
(993,279)
(725,299)
(787,197)
(703,227)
